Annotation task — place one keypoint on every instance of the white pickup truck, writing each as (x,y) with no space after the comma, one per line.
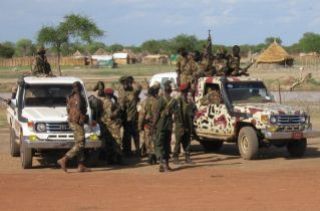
(38,118)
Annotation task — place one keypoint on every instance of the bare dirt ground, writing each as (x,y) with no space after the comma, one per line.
(215,182)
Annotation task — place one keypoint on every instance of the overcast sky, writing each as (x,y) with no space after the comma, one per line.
(131,22)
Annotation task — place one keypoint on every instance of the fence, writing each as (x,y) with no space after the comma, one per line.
(27,61)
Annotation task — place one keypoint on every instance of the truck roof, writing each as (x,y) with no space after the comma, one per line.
(215,79)
(50,80)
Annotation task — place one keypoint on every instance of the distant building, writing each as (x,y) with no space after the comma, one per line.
(155,59)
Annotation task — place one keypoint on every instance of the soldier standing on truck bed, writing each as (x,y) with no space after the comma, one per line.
(41,65)
(186,67)
(77,110)
(146,118)
(183,116)
(128,100)
(162,125)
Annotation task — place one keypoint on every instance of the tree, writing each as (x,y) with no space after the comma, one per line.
(151,46)
(115,48)
(24,47)
(74,27)
(7,50)
(310,42)
(187,42)
(55,37)
(270,40)
(94,46)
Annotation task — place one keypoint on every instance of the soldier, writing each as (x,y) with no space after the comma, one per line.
(95,101)
(128,100)
(77,110)
(183,116)
(212,97)
(181,63)
(162,124)
(41,65)
(221,62)
(233,63)
(111,119)
(146,117)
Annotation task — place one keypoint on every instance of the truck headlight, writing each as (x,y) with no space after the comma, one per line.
(41,127)
(273,120)
(303,119)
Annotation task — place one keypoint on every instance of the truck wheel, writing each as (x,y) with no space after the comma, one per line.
(26,156)
(248,143)
(297,148)
(211,145)
(14,146)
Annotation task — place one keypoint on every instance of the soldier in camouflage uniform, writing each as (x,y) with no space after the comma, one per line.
(128,100)
(212,97)
(41,65)
(112,123)
(221,62)
(233,64)
(77,110)
(162,124)
(186,68)
(146,117)
(183,116)
(206,65)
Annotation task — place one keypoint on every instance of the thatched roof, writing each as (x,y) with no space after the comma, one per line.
(101,51)
(274,54)
(77,54)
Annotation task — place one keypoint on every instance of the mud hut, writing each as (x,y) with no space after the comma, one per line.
(100,52)
(121,58)
(274,56)
(155,59)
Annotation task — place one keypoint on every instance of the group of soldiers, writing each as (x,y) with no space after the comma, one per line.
(154,122)
(191,66)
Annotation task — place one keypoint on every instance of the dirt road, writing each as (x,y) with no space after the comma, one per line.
(216,182)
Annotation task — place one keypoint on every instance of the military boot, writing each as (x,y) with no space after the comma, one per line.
(83,168)
(63,163)
(152,159)
(188,159)
(166,166)
(176,160)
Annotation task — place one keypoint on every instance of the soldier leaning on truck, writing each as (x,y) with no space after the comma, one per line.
(183,117)
(77,110)
(111,119)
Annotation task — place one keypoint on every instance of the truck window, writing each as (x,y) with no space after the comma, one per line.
(211,95)
(247,92)
(46,95)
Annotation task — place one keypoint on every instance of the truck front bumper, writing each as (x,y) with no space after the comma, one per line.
(290,135)
(59,144)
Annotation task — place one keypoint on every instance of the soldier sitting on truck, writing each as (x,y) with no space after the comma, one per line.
(41,65)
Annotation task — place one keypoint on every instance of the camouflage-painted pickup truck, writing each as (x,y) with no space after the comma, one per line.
(245,113)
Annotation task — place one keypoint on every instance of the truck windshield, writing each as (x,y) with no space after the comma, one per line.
(247,92)
(46,95)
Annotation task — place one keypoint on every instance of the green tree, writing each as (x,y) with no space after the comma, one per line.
(94,46)
(151,46)
(187,42)
(310,42)
(115,48)
(54,37)
(7,50)
(270,40)
(24,47)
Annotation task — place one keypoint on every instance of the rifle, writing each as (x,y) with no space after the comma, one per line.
(208,52)
(243,71)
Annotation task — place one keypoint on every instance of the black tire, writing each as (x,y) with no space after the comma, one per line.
(211,145)
(297,148)
(14,146)
(25,156)
(248,143)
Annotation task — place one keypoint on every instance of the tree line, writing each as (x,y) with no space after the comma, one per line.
(77,32)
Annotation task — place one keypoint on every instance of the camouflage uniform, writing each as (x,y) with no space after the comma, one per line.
(111,120)
(212,97)
(186,68)
(183,116)
(234,62)
(128,100)
(163,125)
(41,65)
(77,110)
(146,117)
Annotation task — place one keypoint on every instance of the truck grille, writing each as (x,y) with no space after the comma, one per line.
(58,127)
(287,120)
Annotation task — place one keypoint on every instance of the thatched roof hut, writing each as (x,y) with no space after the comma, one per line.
(155,59)
(78,55)
(275,55)
(101,51)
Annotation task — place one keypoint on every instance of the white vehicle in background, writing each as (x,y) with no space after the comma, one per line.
(38,118)
(161,78)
